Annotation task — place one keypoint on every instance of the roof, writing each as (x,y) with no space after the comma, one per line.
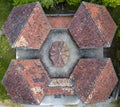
(17,20)
(59,53)
(58,68)
(27,26)
(92,26)
(31,83)
(95,81)
(59,21)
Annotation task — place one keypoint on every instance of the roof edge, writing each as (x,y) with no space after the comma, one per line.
(19,35)
(107,44)
(97,79)
(102,37)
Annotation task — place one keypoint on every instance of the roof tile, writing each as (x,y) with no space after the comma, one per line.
(92,26)
(26,82)
(94,83)
(30,27)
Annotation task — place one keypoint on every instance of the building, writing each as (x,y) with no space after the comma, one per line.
(59,67)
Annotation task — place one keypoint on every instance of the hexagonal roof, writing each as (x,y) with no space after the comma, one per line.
(56,70)
(27,26)
(96,79)
(92,26)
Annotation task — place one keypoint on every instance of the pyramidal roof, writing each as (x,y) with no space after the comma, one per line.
(16,21)
(92,26)
(27,26)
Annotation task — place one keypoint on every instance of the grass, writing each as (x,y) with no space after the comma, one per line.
(9,103)
(6,54)
(5,8)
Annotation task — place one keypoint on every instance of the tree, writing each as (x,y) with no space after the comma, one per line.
(73,2)
(44,3)
(111,3)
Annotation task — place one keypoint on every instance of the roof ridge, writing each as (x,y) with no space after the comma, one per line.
(97,79)
(36,3)
(100,32)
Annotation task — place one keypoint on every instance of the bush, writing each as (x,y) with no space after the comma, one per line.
(45,3)
(118,33)
(59,1)
(74,2)
(20,2)
(111,3)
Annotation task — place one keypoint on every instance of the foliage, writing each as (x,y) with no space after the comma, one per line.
(118,33)
(118,54)
(6,54)
(118,101)
(44,3)
(74,2)
(47,3)
(112,3)
(59,1)
(115,13)
(5,8)
(20,2)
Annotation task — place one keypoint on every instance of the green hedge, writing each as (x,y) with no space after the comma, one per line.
(51,3)
(48,3)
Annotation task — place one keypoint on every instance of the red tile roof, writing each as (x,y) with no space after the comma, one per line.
(59,53)
(27,26)
(94,79)
(26,82)
(92,26)
(17,20)
(18,86)
(59,21)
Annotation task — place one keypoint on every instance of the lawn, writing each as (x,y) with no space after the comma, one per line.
(6,53)
(5,8)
